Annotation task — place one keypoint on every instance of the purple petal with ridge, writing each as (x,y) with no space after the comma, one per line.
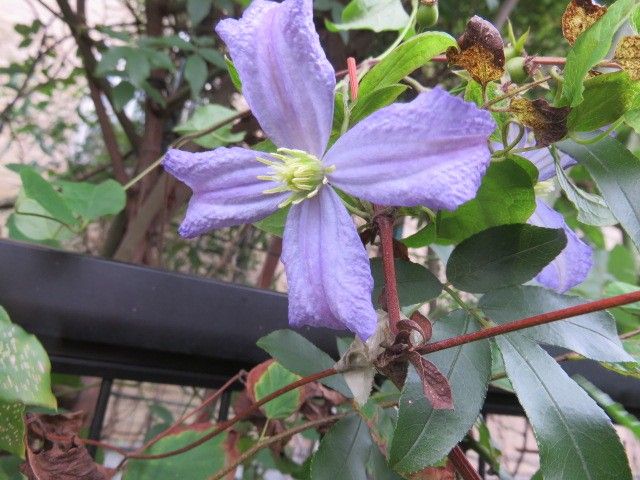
(226,190)
(327,267)
(286,77)
(571,267)
(432,151)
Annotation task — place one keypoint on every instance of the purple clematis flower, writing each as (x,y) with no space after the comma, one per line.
(432,151)
(572,266)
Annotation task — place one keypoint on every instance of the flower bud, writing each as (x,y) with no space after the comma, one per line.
(427,15)
(517,69)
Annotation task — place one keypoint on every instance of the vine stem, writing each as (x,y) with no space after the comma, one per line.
(274,439)
(534,321)
(241,416)
(385,227)
(462,464)
(516,91)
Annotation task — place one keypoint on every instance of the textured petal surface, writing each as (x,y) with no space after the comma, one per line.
(327,267)
(432,151)
(541,158)
(572,265)
(286,77)
(225,188)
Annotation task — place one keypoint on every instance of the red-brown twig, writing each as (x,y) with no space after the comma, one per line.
(385,227)
(536,320)
(462,464)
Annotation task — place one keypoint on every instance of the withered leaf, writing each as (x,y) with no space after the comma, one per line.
(435,385)
(628,55)
(54,451)
(447,472)
(549,124)
(578,16)
(481,51)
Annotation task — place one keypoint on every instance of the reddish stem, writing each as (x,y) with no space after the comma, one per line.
(385,226)
(534,321)
(352,69)
(462,464)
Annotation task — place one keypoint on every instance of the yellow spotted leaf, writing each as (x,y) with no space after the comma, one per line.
(578,16)
(480,52)
(549,124)
(628,55)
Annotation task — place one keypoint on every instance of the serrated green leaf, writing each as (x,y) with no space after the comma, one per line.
(591,47)
(374,101)
(592,210)
(424,436)
(616,172)
(24,368)
(12,428)
(343,451)
(205,117)
(503,256)
(606,98)
(92,201)
(406,58)
(575,438)
(376,15)
(300,356)
(195,72)
(273,378)
(38,189)
(415,284)
(197,10)
(593,335)
(195,464)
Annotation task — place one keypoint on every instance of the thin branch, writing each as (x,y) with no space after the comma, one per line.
(462,464)
(534,321)
(385,227)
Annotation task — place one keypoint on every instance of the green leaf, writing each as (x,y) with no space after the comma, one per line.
(592,210)
(92,201)
(343,451)
(591,47)
(622,264)
(205,117)
(31,224)
(621,288)
(505,196)
(575,438)
(374,101)
(12,428)
(24,368)
(38,189)
(197,10)
(273,378)
(138,67)
(423,435)
(122,94)
(379,467)
(404,59)
(274,223)
(300,356)
(195,72)
(195,464)
(616,172)
(376,15)
(592,335)
(503,256)
(614,409)
(213,56)
(233,73)
(10,468)
(606,98)
(415,284)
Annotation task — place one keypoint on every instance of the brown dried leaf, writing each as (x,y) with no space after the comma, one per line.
(447,472)
(55,453)
(549,124)
(435,385)
(628,55)
(578,16)
(481,51)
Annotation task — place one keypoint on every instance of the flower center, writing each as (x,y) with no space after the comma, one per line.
(297,172)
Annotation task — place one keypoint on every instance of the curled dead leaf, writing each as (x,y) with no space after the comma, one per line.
(578,16)
(628,55)
(54,451)
(549,124)
(481,51)
(435,385)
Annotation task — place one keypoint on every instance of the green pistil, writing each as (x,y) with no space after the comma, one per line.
(297,172)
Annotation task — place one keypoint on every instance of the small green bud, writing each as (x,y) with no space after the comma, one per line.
(427,15)
(509,52)
(517,69)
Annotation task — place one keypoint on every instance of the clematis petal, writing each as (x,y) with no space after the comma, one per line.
(573,264)
(432,151)
(226,190)
(286,77)
(327,267)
